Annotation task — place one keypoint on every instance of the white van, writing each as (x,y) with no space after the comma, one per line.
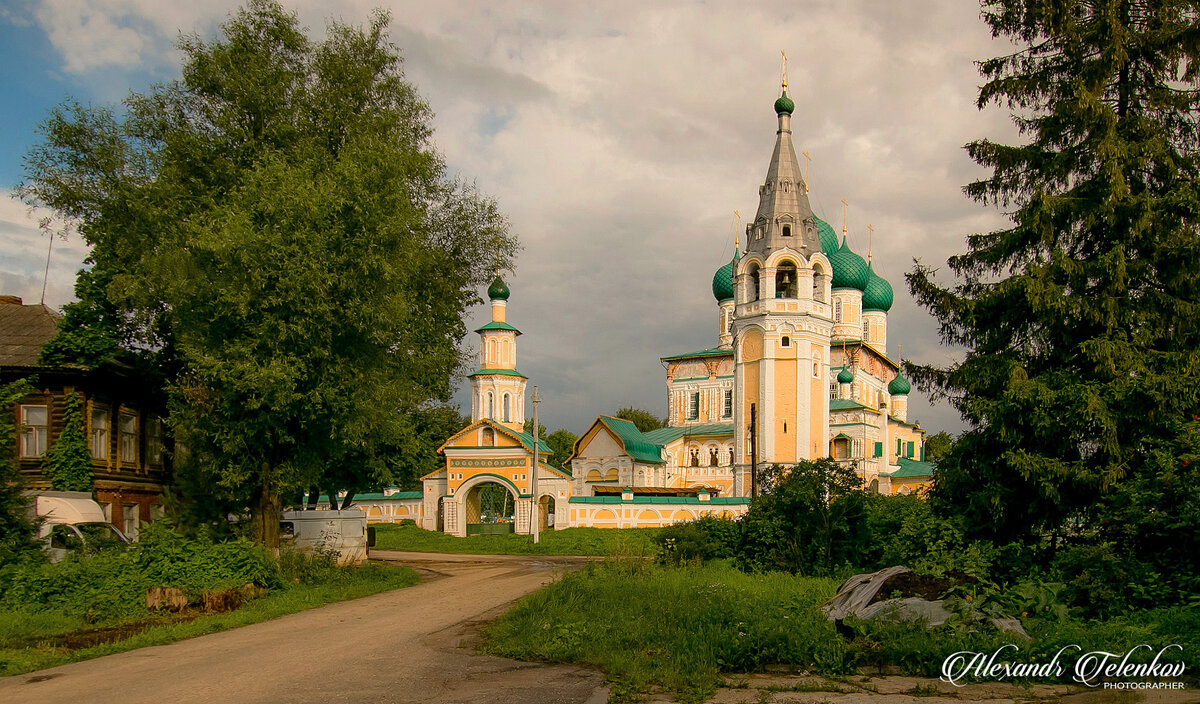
(344,532)
(72,521)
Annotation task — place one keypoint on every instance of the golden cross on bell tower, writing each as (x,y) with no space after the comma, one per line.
(807,164)
(845,205)
(870,234)
(783,76)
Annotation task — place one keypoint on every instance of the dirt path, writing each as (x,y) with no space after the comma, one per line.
(400,646)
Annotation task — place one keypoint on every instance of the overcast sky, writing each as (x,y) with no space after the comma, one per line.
(618,138)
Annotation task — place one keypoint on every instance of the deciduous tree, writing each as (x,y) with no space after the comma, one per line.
(278,225)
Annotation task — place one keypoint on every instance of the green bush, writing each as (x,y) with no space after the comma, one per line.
(111,585)
(701,540)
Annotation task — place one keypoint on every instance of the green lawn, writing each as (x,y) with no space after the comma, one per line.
(684,629)
(34,639)
(604,542)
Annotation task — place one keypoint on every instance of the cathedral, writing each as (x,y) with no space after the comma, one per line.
(800,371)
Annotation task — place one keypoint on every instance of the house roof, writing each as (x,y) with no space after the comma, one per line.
(636,444)
(911,469)
(24,329)
(662,436)
(713,352)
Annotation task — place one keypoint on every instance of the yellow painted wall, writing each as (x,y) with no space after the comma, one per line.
(752,349)
(785,408)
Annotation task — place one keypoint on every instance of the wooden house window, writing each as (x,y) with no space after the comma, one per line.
(34,421)
(128,448)
(98,440)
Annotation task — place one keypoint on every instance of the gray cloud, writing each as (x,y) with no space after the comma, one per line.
(620,137)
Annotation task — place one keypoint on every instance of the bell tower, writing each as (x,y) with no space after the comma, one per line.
(783,320)
(498,389)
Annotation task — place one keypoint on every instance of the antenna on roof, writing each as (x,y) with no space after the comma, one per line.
(46,276)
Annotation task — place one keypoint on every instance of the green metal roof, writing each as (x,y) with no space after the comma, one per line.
(910,469)
(498,290)
(841,404)
(527,440)
(377,497)
(711,352)
(849,269)
(662,436)
(784,104)
(899,386)
(498,326)
(635,444)
(828,237)
(878,293)
(498,372)
(722,283)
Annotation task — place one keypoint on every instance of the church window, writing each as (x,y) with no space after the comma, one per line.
(785,341)
(727,407)
(713,459)
(694,405)
(866,331)
(491,406)
(818,283)
(507,408)
(491,353)
(754,284)
(879,449)
(785,281)
(787,230)
(833,390)
(837,311)
(695,457)
(816,365)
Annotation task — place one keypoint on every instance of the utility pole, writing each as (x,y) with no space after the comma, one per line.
(536,512)
(753,452)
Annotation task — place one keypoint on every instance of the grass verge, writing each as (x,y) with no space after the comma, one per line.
(33,639)
(680,628)
(603,542)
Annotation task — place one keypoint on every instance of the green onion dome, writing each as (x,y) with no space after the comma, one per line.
(899,386)
(784,104)
(878,293)
(722,283)
(498,291)
(845,376)
(849,269)
(828,237)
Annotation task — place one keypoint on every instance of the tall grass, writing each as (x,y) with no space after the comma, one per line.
(647,625)
(603,542)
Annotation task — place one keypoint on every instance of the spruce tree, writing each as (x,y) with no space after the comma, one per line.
(1081,322)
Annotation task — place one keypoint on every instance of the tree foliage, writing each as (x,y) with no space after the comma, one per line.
(16,530)
(1081,321)
(277,230)
(68,462)
(561,442)
(644,420)
(809,519)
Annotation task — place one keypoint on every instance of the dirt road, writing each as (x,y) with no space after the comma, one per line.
(400,646)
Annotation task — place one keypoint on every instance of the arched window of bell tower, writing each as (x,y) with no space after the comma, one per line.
(507,408)
(818,283)
(785,280)
(754,282)
(491,406)
(787,230)
(491,350)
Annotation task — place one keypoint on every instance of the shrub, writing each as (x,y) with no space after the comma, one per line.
(699,541)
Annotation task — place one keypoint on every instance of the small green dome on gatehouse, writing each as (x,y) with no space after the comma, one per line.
(498,291)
